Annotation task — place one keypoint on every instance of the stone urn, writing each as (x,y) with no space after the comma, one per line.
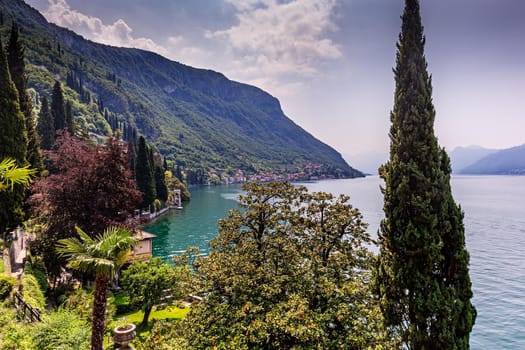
(123,335)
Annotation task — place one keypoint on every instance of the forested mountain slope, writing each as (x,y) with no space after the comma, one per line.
(197,118)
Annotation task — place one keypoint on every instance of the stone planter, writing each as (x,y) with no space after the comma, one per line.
(123,335)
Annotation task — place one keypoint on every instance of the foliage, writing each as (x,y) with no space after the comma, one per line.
(46,126)
(11,174)
(58,108)
(81,301)
(14,334)
(93,197)
(144,174)
(63,329)
(163,336)
(13,144)
(101,256)
(422,272)
(15,58)
(32,293)
(37,271)
(174,183)
(153,282)
(289,269)
(7,284)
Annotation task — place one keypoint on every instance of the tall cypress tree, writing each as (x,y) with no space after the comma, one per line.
(144,174)
(46,126)
(70,124)
(13,144)
(15,58)
(57,107)
(422,273)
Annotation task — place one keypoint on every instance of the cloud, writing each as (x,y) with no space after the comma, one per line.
(117,34)
(275,39)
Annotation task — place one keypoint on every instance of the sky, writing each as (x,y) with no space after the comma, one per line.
(329,62)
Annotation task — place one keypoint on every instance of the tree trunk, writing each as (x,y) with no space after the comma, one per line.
(98,321)
(147,312)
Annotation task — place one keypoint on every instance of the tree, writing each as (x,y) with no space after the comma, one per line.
(70,124)
(147,283)
(94,197)
(422,273)
(46,126)
(144,174)
(57,107)
(101,256)
(160,184)
(15,58)
(13,144)
(289,269)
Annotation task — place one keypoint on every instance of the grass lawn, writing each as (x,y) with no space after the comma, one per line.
(170,313)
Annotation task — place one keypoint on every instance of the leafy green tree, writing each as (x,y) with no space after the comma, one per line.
(289,269)
(15,58)
(13,144)
(58,108)
(102,257)
(147,283)
(62,329)
(46,126)
(422,273)
(144,174)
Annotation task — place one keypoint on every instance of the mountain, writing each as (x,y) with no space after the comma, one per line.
(195,117)
(509,161)
(461,157)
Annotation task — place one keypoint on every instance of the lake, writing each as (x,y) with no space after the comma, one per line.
(494,209)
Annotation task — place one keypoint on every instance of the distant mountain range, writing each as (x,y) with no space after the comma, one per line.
(462,157)
(474,160)
(510,161)
(195,117)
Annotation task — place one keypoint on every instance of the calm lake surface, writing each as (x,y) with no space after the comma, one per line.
(494,209)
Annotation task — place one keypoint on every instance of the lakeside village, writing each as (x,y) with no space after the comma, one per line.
(310,172)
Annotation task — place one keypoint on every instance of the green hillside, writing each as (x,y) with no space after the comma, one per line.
(196,118)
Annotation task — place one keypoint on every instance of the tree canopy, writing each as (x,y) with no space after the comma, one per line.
(95,196)
(289,269)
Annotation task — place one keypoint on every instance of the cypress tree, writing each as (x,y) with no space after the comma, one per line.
(144,174)
(15,58)
(422,272)
(57,107)
(46,126)
(13,144)
(70,124)
(160,184)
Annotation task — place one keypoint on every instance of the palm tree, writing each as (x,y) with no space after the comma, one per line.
(101,256)
(11,174)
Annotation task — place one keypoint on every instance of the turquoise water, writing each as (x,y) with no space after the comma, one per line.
(494,209)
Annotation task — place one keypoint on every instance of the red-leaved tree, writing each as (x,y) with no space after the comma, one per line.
(91,187)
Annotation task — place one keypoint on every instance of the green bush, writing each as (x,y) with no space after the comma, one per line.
(40,274)
(32,293)
(63,329)
(6,286)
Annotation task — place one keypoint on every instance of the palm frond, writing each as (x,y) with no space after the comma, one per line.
(11,174)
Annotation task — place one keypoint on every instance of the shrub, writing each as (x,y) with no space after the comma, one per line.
(6,286)
(39,273)
(63,329)
(32,293)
